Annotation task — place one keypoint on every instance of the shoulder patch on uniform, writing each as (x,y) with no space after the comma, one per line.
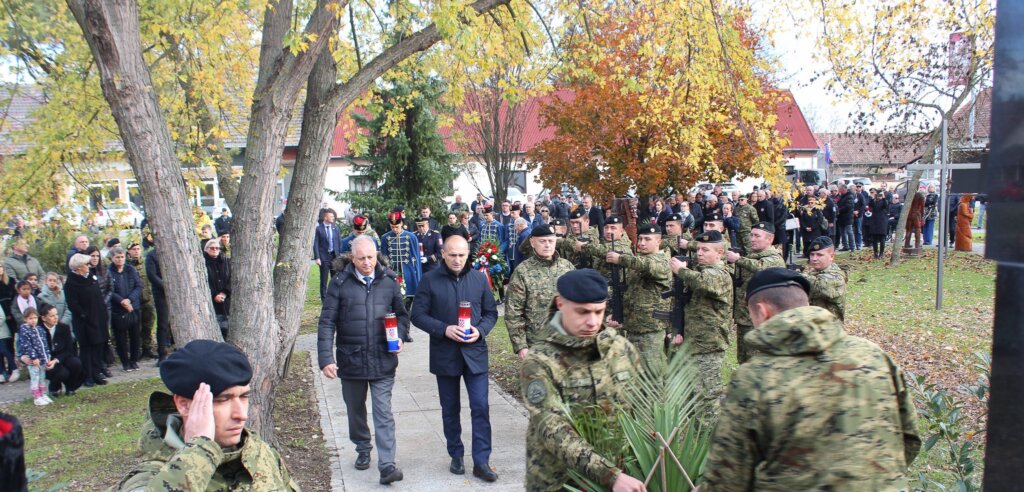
(536,392)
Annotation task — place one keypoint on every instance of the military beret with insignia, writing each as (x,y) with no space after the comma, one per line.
(649,228)
(615,219)
(709,237)
(714,215)
(422,219)
(764,226)
(556,222)
(359,223)
(822,242)
(674,217)
(770,278)
(585,286)
(395,217)
(542,230)
(217,364)
(515,207)
(577,213)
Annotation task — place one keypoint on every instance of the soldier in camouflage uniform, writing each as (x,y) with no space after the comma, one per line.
(712,222)
(148,311)
(647,276)
(762,255)
(815,408)
(613,240)
(579,228)
(579,363)
(531,289)
(673,232)
(708,314)
(748,217)
(828,281)
(195,439)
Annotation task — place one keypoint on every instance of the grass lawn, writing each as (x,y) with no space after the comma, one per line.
(504,365)
(90,441)
(311,309)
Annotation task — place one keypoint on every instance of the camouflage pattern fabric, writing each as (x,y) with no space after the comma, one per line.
(745,268)
(709,382)
(568,244)
(748,217)
(816,410)
(569,371)
(743,350)
(651,347)
(670,243)
(647,276)
(709,313)
(528,298)
(828,289)
(598,252)
(170,464)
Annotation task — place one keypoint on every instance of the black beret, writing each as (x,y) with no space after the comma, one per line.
(577,213)
(542,230)
(821,243)
(113,242)
(709,237)
(776,277)
(713,216)
(585,286)
(557,222)
(648,228)
(422,219)
(217,364)
(613,220)
(764,226)
(674,217)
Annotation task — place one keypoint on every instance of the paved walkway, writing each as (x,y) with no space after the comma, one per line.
(421,450)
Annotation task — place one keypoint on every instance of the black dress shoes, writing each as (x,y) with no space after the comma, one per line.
(485,473)
(457,467)
(363,461)
(390,474)
(100,381)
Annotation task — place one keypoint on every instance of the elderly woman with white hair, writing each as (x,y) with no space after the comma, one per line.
(89,311)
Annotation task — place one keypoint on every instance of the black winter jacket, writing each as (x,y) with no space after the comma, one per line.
(846,205)
(878,223)
(218,275)
(87,304)
(352,323)
(125,284)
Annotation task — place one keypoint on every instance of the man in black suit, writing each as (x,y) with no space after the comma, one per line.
(456,355)
(67,372)
(595,213)
(326,246)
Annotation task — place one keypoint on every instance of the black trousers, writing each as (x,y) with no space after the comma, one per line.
(808,238)
(91,356)
(147,314)
(127,336)
(67,373)
(325,273)
(163,324)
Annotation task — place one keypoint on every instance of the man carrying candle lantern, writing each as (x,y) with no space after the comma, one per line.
(352,326)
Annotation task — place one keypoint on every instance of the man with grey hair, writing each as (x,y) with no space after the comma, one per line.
(352,345)
(125,306)
(81,244)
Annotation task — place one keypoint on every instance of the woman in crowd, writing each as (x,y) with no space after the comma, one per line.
(125,306)
(88,306)
(877,223)
(67,372)
(8,368)
(99,271)
(931,212)
(53,294)
(218,275)
(22,301)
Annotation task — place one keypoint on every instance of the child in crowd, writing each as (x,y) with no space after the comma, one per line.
(23,301)
(34,353)
(33,281)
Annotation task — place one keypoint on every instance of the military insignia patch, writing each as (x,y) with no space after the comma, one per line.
(536,392)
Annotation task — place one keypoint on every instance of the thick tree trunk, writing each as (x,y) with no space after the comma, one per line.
(111,28)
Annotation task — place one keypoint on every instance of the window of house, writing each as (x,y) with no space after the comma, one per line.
(134,195)
(361,184)
(519,180)
(103,192)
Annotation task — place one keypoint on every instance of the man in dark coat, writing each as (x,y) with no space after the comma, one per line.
(218,276)
(67,372)
(223,223)
(430,244)
(351,325)
(459,353)
(125,305)
(844,220)
(829,211)
(326,246)
(595,213)
(91,322)
(163,314)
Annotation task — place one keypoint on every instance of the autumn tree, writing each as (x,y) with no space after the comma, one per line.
(893,59)
(664,93)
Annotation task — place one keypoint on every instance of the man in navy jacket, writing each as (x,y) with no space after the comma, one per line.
(454,355)
(326,246)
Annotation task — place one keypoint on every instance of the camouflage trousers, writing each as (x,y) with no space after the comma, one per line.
(709,380)
(745,240)
(743,351)
(651,347)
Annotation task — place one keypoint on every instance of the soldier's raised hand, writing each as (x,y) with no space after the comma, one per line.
(676,265)
(731,256)
(200,421)
(612,257)
(626,483)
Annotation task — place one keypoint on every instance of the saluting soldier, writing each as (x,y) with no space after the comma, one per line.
(579,362)
(748,217)
(708,314)
(815,408)
(531,289)
(828,281)
(673,232)
(762,255)
(647,276)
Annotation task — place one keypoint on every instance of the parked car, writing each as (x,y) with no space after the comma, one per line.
(706,188)
(861,181)
(72,215)
(123,214)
